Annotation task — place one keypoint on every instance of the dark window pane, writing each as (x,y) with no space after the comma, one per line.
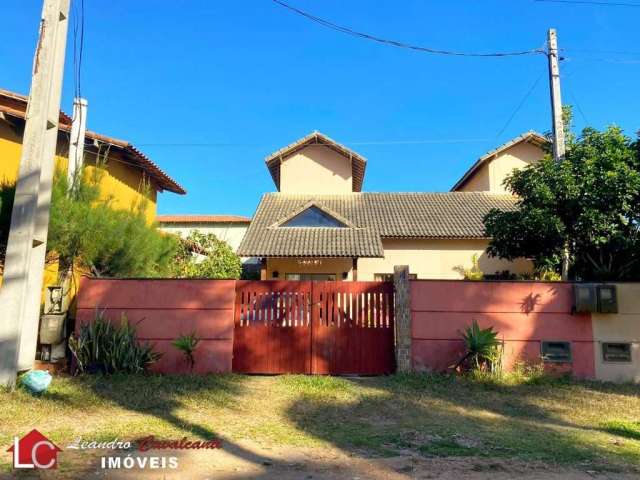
(314,217)
(556,351)
(616,352)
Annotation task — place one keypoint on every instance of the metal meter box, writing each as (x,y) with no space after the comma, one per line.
(586,299)
(52,329)
(607,299)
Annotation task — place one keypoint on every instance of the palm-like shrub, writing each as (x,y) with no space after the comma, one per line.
(101,347)
(483,348)
(187,344)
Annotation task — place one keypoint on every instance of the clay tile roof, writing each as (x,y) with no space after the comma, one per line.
(359,163)
(202,219)
(372,216)
(531,136)
(15,105)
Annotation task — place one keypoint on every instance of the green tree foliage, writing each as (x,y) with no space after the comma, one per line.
(589,202)
(205,256)
(86,232)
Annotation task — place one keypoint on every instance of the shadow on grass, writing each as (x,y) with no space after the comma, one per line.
(162,396)
(451,417)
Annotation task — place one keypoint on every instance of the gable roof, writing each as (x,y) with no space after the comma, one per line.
(15,105)
(358,162)
(531,136)
(202,219)
(372,216)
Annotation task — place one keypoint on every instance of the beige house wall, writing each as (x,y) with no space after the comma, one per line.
(435,259)
(490,177)
(316,169)
(336,266)
(623,327)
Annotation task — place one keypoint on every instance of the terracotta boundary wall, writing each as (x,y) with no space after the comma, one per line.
(524,314)
(162,310)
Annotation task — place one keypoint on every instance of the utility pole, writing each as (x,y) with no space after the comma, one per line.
(76,143)
(557,120)
(24,268)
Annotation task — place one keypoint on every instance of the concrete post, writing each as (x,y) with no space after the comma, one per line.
(31,321)
(402,313)
(76,142)
(41,126)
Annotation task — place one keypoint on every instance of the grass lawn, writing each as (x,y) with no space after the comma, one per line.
(560,422)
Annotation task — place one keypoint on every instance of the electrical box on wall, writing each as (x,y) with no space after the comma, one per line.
(585,298)
(607,299)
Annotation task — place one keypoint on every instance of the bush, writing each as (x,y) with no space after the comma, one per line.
(187,344)
(102,347)
(205,256)
(473,273)
(483,349)
(86,232)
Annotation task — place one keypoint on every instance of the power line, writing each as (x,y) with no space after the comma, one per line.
(357,143)
(521,104)
(593,2)
(396,43)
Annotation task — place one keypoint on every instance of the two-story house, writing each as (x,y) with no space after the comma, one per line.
(320,225)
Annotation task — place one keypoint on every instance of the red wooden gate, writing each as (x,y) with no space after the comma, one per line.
(314,327)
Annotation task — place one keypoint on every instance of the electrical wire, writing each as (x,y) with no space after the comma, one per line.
(520,105)
(593,2)
(396,43)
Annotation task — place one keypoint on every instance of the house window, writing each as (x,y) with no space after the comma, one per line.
(616,352)
(388,277)
(556,351)
(313,217)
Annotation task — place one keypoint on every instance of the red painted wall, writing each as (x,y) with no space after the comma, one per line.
(164,309)
(524,314)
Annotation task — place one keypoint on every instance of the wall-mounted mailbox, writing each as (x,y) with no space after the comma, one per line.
(585,298)
(607,299)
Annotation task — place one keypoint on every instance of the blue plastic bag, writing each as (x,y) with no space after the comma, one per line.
(36,381)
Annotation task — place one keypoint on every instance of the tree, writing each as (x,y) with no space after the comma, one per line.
(85,232)
(589,202)
(205,256)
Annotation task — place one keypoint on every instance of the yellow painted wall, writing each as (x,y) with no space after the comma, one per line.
(316,169)
(491,175)
(623,327)
(119,181)
(435,259)
(328,265)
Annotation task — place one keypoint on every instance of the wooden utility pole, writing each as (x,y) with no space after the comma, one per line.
(24,264)
(557,120)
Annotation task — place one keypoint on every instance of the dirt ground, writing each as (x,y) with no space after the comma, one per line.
(247,460)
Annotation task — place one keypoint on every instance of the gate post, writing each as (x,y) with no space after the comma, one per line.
(402,313)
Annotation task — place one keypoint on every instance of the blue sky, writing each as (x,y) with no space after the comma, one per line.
(248,77)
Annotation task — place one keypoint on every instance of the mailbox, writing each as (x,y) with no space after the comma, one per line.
(607,299)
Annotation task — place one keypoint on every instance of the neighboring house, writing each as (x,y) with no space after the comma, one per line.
(321,226)
(230,228)
(488,173)
(126,175)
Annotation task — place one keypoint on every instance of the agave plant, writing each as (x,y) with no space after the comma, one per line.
(101,347)
(187,344)
(483,348)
